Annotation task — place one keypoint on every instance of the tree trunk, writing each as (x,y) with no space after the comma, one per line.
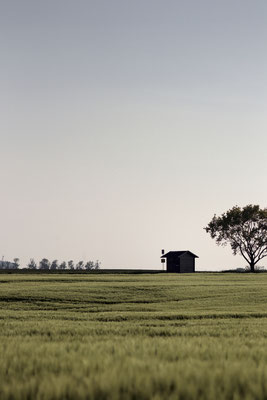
(252,266)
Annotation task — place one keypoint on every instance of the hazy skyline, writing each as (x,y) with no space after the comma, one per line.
(126,125)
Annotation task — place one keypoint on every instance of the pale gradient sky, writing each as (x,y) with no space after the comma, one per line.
(125,125)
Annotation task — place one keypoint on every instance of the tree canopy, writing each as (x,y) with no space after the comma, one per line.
(245,229)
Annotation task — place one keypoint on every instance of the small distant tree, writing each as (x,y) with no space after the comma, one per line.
(16,262)
(63,265)
(92,265)
(32,264)
(97,265)
(80,265)
(54,265)
(89,265)
(70,264)
(44,264)
(245,229)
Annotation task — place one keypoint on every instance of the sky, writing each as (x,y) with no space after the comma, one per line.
(126,125)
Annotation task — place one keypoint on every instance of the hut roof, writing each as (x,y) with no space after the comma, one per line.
(179,254)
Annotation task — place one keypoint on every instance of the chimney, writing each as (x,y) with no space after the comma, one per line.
(162,251)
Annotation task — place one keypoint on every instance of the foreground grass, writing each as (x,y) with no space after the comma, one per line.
(201,336)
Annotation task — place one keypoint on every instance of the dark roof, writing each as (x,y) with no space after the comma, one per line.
(178,253)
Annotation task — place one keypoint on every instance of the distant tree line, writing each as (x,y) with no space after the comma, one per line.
(45,264)
(9,264)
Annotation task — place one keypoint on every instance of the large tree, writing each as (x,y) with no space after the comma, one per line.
(245,229)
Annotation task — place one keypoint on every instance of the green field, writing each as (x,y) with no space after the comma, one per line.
(149,336)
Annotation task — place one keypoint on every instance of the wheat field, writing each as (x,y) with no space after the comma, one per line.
(130,336)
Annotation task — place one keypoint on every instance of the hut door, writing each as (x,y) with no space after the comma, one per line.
(177,265)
